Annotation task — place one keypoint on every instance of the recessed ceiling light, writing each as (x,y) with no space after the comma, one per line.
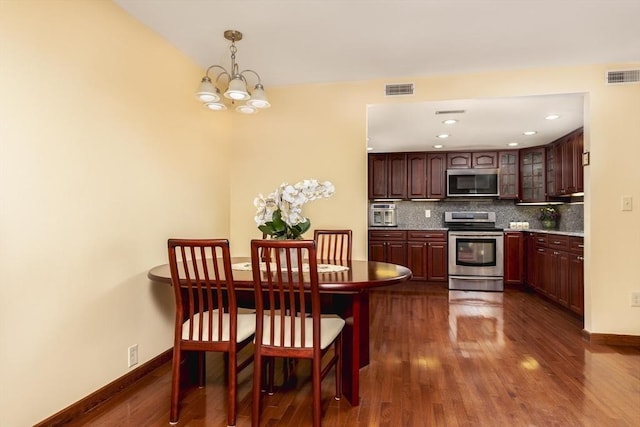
(369,148)
(512,144)
(552,117)
(450,121)
(438,146)
(443,135)
(529,132)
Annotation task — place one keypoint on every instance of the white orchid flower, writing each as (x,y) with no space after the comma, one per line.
(289,199)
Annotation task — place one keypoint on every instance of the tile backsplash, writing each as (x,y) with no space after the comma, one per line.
(411,214)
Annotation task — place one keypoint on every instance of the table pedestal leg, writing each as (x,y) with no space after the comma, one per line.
(354,308)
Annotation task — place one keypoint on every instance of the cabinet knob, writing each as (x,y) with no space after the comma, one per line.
(581,258)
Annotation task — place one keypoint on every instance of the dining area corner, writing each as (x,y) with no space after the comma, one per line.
(335,289)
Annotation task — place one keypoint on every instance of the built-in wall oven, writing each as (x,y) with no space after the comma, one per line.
(476,249)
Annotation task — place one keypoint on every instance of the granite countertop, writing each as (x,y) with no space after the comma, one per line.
(534,230)
(409,228)
(562,233)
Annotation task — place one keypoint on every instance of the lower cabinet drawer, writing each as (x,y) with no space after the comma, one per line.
(427,235)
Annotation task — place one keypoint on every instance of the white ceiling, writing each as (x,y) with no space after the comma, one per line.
(490,123)
(314,41)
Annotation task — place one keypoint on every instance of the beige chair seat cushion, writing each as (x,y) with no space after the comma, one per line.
(330,328)
(246,327)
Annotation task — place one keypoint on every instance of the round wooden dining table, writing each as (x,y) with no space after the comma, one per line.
(346,294)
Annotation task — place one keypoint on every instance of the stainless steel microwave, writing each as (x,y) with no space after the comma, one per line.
(472,183)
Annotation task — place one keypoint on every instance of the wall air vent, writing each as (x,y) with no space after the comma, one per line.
(623,77)
(398,89)
(450,112)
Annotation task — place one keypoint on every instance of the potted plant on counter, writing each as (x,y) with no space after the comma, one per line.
(549,217)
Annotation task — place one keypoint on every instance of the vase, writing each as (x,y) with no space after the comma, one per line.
(294,257)
(548,224)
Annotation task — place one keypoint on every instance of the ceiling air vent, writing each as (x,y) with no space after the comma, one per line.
(623,77)
(398,89)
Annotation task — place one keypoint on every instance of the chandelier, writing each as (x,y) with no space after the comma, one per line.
(236,90)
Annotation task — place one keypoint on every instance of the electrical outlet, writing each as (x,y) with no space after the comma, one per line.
(427,213)
(627,203)
(132,354)
(635,299)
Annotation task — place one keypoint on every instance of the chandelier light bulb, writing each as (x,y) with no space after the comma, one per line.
(215,106)
(207,92)
(237,89)
(246,109)
(258,98)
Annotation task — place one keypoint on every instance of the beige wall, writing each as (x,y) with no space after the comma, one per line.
(104,155)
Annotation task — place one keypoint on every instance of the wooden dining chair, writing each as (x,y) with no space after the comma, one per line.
(333,245)
(288,317)
(207,316)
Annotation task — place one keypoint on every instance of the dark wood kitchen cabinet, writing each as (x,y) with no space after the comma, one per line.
(438,257)
(540,263)
(458,160)
(558,289)
(513,257)
(576,275)
(397,185)
(387,176)
(555,268)
(554,173)
(427,255)
(529,251)
(533,175)
(416,175)
(472,160)
(509,175)
(388,246)
(578,150)
(484,160)
(423,251)
(377,170)
(564,165)
(436,175)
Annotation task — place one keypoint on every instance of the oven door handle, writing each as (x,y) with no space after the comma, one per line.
(476,234)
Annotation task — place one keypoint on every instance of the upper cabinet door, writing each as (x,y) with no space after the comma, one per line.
(484,160)
(417,175)
(458,160)
(578,149)
(436,180)
(509,177)
(397,173)
(564,165)
(377,176)
(533,175)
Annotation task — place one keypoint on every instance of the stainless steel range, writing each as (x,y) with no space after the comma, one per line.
(476,250)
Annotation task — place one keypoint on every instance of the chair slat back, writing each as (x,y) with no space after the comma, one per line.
(287,295)
(203,286)
(333,245)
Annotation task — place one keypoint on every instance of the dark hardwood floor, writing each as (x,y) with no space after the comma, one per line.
(438,358)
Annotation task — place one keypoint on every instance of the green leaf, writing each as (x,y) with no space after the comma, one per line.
(304,226)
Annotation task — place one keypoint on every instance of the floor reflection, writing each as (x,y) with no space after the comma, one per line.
(476,320)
